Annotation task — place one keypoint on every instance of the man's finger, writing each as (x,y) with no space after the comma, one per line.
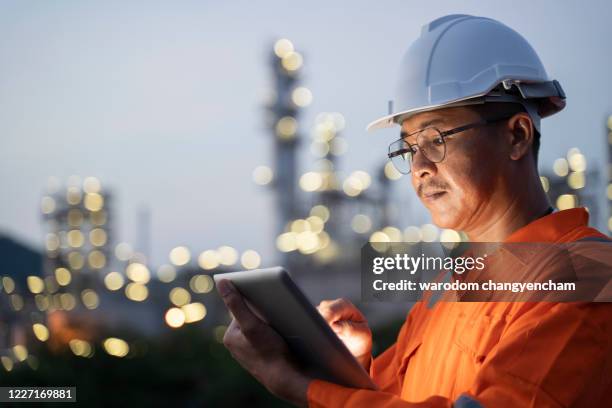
(235,303)
(339,309)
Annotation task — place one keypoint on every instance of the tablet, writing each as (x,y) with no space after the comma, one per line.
(275,297)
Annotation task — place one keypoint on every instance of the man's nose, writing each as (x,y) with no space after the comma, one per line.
(422,166)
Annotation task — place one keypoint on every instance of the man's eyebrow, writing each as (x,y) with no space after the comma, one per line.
(423,125)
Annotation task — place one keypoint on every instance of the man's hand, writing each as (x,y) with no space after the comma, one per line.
(351,326)
(261,350)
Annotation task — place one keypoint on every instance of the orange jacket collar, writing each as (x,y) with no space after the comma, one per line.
(552,227)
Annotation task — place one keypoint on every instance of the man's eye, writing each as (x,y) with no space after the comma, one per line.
(438,141)
(413,149)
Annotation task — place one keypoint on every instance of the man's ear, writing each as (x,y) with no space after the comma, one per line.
(521,134)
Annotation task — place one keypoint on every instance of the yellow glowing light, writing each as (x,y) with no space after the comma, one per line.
(301,96)
(545,183)
(292,61)
(561,167)
(412,234)
(324,132)
(16,302)
(449,235)
(379,241)
(136,292)
(67,301)
(262,175)
(97,237)
(116,347)
(311,181)
(179,296)
(286,127)
(325,165)
(94,202)
(577,162)
(194,312)
(20,351)
(40,331)
(250,259)
(91,185)
(123,251)
(283,47)
(610,224)
(324,240)
(81,348)
(32,362)
(209,259)
(51,284)
(42,303)
(219,333)
(75,217)
(228,255)
(320,149)
(90,299)
(338,146)
(166,273)
(8,283)
(63,276)
(98,218)
(338,119)
(307,242)
(609,191)
(35,284)
(429,232)
(394,234)
(7,363)
(379,236)
(300,226)
(138,272)
(576,180)
(201,284)
(316,223)
(180,256)
(52,242)
(391,172)
(352,186)
(286,242)
(320,211)
(566,201)
(175,317)
(73,195)
(47,205)
(113,281)
(75,238)
(361,223)
(96,259)
(363,177)
(76,260)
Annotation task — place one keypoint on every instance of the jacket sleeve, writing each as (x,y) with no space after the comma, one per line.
(552,355)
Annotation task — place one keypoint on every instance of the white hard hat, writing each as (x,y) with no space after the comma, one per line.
(462,60)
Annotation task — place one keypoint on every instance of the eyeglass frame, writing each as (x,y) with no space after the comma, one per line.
(443,135)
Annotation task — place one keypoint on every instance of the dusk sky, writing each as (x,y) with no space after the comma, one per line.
(162,101)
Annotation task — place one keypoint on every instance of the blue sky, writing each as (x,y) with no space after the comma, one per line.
(162,100)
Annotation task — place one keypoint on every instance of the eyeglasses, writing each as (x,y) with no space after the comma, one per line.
(430,141)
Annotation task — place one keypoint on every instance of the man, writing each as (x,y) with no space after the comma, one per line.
(470,102)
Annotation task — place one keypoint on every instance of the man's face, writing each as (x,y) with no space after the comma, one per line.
(458,189)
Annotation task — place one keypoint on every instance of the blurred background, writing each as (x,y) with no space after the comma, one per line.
(145,146)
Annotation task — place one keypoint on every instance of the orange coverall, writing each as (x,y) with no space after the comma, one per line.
(494,354)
